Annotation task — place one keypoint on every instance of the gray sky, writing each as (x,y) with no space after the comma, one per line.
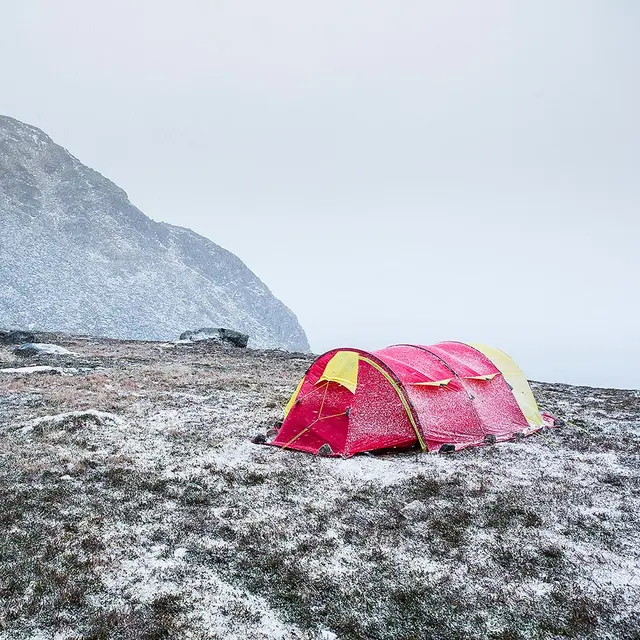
(395,171)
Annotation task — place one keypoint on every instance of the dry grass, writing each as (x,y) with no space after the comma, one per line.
(166,522)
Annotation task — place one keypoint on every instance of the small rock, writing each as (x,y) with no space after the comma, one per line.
(325,450)
(217,336)
(272,433)
(16,337)
(259,439)
(76,468)
(447,448)
(414,509)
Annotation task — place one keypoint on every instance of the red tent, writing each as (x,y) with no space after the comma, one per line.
(449,394)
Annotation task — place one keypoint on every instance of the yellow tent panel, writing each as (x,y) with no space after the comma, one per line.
(343,369)
(516,378)
(293,398)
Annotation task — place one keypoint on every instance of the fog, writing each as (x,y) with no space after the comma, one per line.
(394,171)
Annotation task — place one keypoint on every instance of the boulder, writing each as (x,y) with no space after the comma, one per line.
(16,337)
(30,349)
(217,335)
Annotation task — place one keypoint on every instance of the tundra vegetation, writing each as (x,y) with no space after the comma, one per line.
(133,505)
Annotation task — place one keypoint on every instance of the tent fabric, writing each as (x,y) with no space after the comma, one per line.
(343,369)
(516,379)
(451,394)
(293,398)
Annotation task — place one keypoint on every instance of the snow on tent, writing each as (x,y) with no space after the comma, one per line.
(450,395)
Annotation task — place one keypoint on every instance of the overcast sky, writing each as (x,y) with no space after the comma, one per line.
(395,171)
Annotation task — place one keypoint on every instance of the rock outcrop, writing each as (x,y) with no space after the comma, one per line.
(78,257)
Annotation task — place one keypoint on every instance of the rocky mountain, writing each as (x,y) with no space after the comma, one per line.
(77,256)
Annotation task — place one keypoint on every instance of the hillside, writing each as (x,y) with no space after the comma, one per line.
(78,257)
(135,506)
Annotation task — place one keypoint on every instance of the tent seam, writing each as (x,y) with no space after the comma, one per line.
(446,364)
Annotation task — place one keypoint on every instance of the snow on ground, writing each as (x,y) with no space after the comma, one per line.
(43,348)
(40,369)
(135,506)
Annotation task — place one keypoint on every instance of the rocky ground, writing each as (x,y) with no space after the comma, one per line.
(133,505)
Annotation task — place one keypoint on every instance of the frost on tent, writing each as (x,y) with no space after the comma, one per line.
(443,397)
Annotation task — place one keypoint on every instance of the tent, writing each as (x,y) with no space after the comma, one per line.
(442,397)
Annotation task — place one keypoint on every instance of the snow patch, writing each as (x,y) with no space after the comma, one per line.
(60,419)
(41,369)
(43,348)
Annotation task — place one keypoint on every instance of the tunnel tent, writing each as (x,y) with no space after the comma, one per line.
(450,395)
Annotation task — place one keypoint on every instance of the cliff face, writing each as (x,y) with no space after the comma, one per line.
(77,256)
